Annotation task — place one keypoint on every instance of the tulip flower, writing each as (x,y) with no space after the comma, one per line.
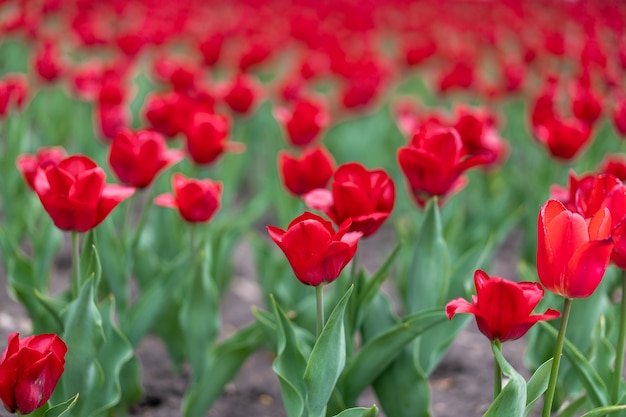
(572,252)
(74,193)
(304,122)
(615,165)
(13,93)
(136,158)
(241,94)
(586,105)
(365,197)
(29,371)
(45,157)
(585,195)
(207,137)
(111,119)
(312,170)
(502,308)
(317,254)
(477,130)
(564,138)
(619,116)
(433,163)
(196,200)
(47,62)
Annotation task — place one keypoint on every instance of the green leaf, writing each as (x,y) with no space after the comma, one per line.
(359,412)
(199,316)
(223,362)
(376,355)
(289,365)
(572,409)
(62,409)
(601,411)
(512,400)
(327,360)
(596,388)
(429,274)
(537,384)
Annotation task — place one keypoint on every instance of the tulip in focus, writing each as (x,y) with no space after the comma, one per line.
(136,158)
(365,197)
(312,170)
(74,193)
(572,252)
(196,200)
(29,371)
(502,308)
(317,254)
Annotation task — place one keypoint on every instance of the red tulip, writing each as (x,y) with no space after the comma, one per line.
(615,165)
(619,116)
(477,130)
(47,62)
(29,371)
(304,122)
(572,253)
(207,137)
(197,200)
(111,119)
(316,253)
(585,195)
(241,94)
(563,138)
(433,163)
(74,193)
(312,170)
(365,197)
(502,308)
(615,202)
(586,105)
(136,158)
(28,164)
(13,93)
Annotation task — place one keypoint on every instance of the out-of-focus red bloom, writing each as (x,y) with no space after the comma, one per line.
(255,53)
(30,370)
(460,75)
(47,62)
(585,195)
(615,165)
(513,75)
(476,127)
(572,252)
(586,105)
(169,113)
(74,193)
(502,308)
(207,138)
(181,75)
(13,93)
(317,254)
(136,158)
(615,202)
(111,119)
(542,110)
(196,200)
(434,163)
(211,48)
(564,138)
(365,197)
(619,116)
(241,94)
(554,43)
(312,170)
(419,51)
(304,122)
(28,164)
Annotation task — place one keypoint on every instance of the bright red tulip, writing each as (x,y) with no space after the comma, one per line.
(615,165)
(136,158)
(196,200)
(304,122)
(312,170)
(111,119)
(572,252)
(47,62)
(317,254)
(28,164)
(586,105)
(75,195)
(585,195)
(29,371)
(619,116)
(502,308)
(241,94)
(13,93)
(365,197)
(433,163)
(207,137)
(615,202)
(478,133)
(564,138)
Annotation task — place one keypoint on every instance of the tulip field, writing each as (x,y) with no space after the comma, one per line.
(346,208)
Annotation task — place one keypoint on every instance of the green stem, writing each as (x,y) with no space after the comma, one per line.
(558,349)
(621,346)
(497,372)
(75,278)
(319,295)
(143,217)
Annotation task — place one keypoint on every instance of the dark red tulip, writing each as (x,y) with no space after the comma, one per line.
(207,138)
(241,94)
(478,133)
(313,169)
(30,370)
(47,62)
(304,122)
(586,105)
(74,193)
(196,200)
(572,252)
(564,138)
(136,158)
(502,308)
(45,157)
(365,197)
(317,254)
